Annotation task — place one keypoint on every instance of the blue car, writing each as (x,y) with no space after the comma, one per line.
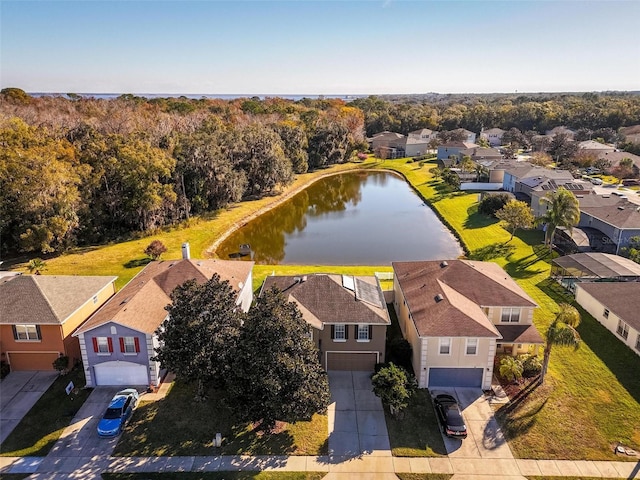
(118,413)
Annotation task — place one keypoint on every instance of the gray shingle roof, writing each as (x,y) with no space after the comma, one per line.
(621,298)
(46,299)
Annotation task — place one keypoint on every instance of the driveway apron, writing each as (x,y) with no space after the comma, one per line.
(19,391)
(356,418)
(80,438)
(484,439)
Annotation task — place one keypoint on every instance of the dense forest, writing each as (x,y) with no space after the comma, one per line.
(77,171)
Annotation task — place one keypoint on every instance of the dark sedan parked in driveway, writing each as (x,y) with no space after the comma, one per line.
(450,416)
(118,413)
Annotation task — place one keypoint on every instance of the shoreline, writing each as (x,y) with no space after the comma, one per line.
(210,252)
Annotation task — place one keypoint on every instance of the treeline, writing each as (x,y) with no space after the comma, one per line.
(77,171)
(540,112)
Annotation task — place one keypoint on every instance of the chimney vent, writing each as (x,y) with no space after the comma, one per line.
(439,297)
(444,264)
(186,251)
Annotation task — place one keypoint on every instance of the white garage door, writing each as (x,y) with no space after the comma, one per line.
(121,373)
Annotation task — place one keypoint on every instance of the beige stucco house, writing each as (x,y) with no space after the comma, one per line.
(347,316)
(615,305)
(457,315)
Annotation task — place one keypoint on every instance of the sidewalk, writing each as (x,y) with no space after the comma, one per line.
(339,467)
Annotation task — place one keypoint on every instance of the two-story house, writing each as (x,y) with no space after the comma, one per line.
(118,342)
(347,316)
(457,315)
(493,136)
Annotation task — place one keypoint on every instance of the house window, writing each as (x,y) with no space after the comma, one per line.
(510,315)
(606,313)
(472,346)
(623,329)
(363,333)
(26,332)
(102,345)
(129,345)
(445,346)
(339,333)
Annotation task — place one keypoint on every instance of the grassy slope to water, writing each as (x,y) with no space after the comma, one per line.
(591,398)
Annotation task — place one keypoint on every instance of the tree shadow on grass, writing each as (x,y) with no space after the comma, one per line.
(476,219)
(622,362)
(521,269)
(489,252)
(515,422)
(137,262)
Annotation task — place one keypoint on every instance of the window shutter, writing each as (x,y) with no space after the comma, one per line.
(15,332)
(95,344)
(122,344)
(110,343)
(346,332)
(136,341)
(370,332)
(355,332)
(38,332)
(333,331)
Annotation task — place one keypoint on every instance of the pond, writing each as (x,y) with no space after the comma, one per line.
(356,218)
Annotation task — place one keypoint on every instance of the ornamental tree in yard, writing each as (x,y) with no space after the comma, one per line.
(515,214)
(276,373)
(393,386)
(198,340)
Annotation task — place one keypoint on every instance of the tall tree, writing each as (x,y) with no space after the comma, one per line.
(562,331)
(515,214)
(198,339)
(276,373)
(563,210)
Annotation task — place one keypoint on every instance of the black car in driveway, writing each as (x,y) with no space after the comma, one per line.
(450,416)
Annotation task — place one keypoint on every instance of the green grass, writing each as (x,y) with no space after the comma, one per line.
(38,431)
(216,476)
(179,425)
(416,432)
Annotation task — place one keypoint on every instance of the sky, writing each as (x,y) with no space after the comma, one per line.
(319,47)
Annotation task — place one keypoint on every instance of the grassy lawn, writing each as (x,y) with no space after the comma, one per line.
(36,434)
(416,432)
(178,425)
(216,476)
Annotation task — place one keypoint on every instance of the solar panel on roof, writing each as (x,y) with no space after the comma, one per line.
(347,282)
(369,293)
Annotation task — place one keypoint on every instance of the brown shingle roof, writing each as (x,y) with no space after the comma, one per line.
(621,298)
(141,303)
(328,301)
(46,299)
(464,287)
(520,334)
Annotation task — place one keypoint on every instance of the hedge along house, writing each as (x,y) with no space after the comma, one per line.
(457,315)
(347,316)
(39,313)
(118,342)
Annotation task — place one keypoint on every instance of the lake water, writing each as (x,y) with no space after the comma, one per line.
(356,218)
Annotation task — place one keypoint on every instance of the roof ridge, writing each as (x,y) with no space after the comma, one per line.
(46,299)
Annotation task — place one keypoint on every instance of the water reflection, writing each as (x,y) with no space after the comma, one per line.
(363,218)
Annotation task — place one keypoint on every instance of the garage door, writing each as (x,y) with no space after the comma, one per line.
(351,361)
(32,361)
(455,377)
(121,373)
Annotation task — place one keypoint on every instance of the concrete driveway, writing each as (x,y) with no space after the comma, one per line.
(19,391)
(484,438)
(80,438)
(356,418)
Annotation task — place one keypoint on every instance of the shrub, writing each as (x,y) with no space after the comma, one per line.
(61,364)
(399,352)
(4,369)
(155,249)
(531,365)
(394,386)
(410,160)
(511,368)
(492,203)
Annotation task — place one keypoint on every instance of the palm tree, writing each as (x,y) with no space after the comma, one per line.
(562,331)
(563,210)
(511,368)
(37,266)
